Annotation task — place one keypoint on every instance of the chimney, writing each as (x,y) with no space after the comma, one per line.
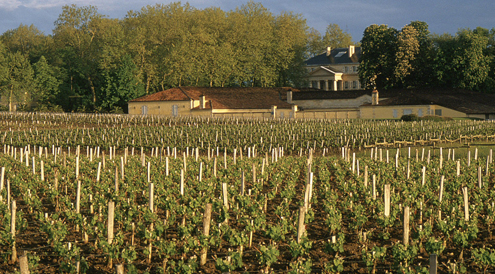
(374,98)
(329,50)
(202,102)
(289,96)
(351,50)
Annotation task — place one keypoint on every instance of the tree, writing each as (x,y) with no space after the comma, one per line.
(122,85)
(471,65)
(406,54)
(315,43)
(18,80)
(46,84)
(335,37)
(377,64)
(27,40)
(423,65)
(75,31)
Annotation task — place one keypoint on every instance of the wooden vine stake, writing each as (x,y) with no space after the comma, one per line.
(386,194)
(119,269)
(366,176)
(78,201)
(12,231)
(374,187)
(225,195)
(433,263)
(423,177)
(151,192)
(406,226)
(441,188)
(206,231)
(466,204)
(300,226)
(480,180)
(23,264)
(111,219)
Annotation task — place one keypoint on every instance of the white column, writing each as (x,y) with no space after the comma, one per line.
(334,85)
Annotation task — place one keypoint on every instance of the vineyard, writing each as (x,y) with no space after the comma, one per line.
(83,193)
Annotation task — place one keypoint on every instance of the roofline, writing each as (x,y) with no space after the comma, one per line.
(180,88)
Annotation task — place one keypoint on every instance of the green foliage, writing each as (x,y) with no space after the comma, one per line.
(268,255)
(378,57)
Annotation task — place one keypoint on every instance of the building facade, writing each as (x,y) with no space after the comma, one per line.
(335,69)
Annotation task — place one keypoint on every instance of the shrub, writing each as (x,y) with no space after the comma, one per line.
(409,117)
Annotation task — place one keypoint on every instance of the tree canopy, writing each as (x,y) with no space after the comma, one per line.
(412,57)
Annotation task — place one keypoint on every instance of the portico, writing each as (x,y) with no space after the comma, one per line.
(326,79)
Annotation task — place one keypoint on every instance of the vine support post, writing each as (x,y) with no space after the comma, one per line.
(386,194)
(119,269)
(366,176)
(151,192)
(300,226)
(78,201)
(23,264)
(480,180)
(466,204)
(374,187)
(206,231)
(441,188)
(111,215)
(433,263)
(406,226)
(12,230)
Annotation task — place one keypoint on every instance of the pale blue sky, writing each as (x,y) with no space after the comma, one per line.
(352,16)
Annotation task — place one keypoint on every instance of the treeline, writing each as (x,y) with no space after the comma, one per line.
(412,58)
(94,63)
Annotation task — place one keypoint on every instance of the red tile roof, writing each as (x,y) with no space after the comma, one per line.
(225,98)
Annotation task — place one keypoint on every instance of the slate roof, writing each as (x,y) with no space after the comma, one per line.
(465,101)
(334,58)
(225,98)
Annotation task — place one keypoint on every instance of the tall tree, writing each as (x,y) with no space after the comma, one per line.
(406,54)
(18,80)
(315,43)
(121,86)
(377,64)
(470,60)
(75,32)
(27,40)
(46,84)
(422,66)
(335,37)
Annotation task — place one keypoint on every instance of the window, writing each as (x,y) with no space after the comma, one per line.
(354,84)
(420,112)
(281,115)
(438,112)
(346,85)
(144,110)
(175,110)
(407,111)
(395,113)
(346,69)
(354,69)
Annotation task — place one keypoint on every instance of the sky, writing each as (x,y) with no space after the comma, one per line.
(353,16)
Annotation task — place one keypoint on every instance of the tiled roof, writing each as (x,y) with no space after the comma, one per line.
(225,98)
(335,57)
(174,94)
